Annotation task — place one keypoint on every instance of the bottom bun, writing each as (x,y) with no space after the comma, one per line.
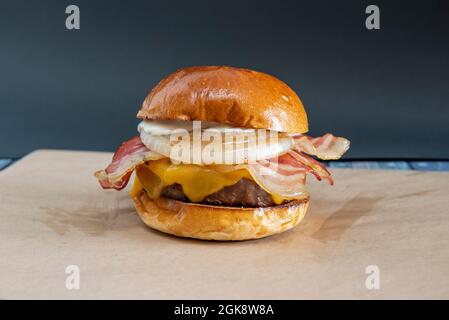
(217,223)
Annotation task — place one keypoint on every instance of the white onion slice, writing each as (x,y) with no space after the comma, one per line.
(244,148)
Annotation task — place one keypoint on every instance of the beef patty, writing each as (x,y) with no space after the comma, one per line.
(245,193)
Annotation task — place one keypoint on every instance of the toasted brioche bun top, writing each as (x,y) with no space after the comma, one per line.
(239,97)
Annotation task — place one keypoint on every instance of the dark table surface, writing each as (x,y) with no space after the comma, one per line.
(428,165)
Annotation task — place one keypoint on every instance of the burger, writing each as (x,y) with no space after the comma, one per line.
(222,154)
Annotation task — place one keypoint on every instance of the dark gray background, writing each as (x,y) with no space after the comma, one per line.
(386,90)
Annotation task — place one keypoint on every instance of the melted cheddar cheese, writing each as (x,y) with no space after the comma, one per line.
(197,181)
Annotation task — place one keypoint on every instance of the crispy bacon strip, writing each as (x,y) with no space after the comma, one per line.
(327,147)
(286,175)
(312,166)
(279,177)
(129,155)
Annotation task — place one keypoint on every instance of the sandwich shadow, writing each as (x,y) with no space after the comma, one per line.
(342,219)
(91,221)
